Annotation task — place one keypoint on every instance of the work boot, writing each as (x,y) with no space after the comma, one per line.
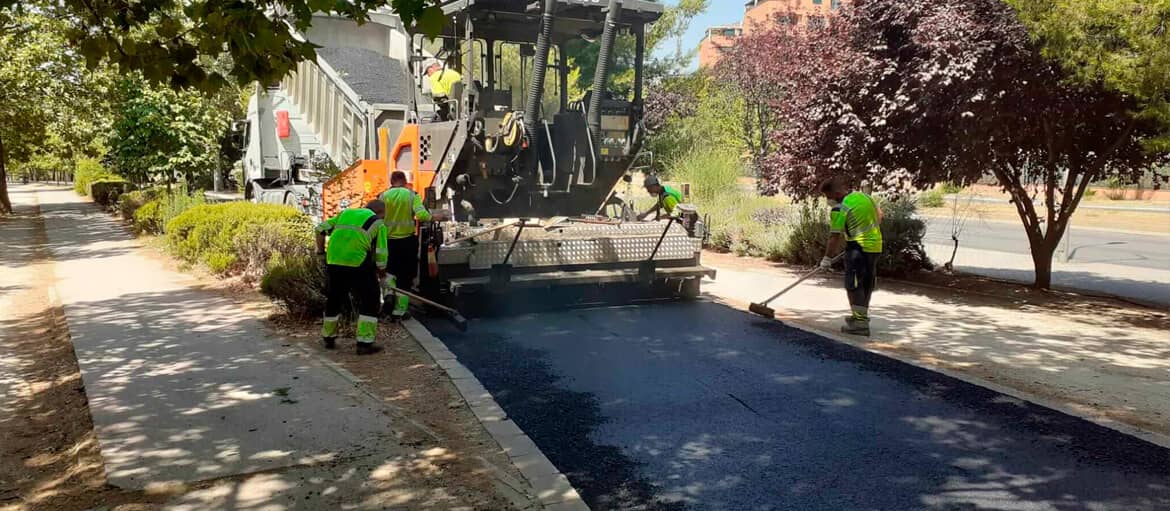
(856,327)
(368,348)
(329,342)
(400,316)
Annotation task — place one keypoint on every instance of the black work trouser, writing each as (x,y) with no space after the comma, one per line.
(361,282)
(403,263)
(860,274)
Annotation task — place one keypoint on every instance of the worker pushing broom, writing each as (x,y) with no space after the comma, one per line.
(855,222)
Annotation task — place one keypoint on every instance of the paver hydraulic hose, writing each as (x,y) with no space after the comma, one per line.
(540,65)
(601,74)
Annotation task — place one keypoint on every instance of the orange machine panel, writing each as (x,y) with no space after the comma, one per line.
(360,183)
(404,156)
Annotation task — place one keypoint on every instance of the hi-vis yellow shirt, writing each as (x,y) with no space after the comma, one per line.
(857,218)
(441,82)
(403,206)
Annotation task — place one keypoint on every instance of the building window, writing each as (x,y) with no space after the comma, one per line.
(816,22)
(818,2)
(836,4)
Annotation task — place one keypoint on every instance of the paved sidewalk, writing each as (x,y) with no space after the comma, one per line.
(1109,365)
(185,386)
(1144,285)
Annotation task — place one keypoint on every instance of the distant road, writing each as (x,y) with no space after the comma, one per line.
(1088,245)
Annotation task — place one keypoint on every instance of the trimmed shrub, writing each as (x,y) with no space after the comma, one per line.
(902,235)
(89,170)
(130,202)
(206,233)
(263,246)
(297,283)
(105,192)
(152,217)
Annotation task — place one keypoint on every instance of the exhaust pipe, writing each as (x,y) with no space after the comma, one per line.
(539,66)
(604,58)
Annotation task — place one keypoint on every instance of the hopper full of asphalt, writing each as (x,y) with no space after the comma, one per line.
(701,406)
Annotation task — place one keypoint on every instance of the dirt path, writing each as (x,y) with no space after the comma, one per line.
(50,456)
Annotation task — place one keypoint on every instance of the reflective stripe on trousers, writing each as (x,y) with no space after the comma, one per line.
(329,326)
(367,329)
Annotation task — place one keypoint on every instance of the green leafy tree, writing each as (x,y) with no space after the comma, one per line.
(31,77)
(670,27)
(175,42)
(162,135)
(1123,44)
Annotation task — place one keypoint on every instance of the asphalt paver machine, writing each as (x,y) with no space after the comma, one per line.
(528,172)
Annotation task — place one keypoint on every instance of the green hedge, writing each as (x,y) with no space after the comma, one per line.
(105,192)
(89,170)
(130,202)
(207,233)
(297,283)
(152,217)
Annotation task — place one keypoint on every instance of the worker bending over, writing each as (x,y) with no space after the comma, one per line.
(668,198)
(403,207)
(855,220)
(355,259)
(441,80)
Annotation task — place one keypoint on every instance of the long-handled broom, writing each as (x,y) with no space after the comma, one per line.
(762,308)
(452,314)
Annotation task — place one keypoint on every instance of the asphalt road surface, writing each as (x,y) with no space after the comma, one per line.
(1089,245)
(700,406)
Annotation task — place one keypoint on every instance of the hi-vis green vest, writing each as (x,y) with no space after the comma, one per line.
(353,235)
(669,199)
(403,206)
(858,220)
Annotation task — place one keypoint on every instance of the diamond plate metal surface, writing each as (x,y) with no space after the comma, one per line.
(553,252)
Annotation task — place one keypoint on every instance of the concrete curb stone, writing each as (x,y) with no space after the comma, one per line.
(552,488)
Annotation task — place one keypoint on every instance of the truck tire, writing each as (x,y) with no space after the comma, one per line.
(690,289)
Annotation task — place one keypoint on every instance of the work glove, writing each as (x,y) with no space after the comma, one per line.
(826,262)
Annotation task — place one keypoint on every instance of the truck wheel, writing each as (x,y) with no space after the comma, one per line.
(689,290)
(257,192)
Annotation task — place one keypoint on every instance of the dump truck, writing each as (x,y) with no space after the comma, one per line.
(325,116)
(531,175)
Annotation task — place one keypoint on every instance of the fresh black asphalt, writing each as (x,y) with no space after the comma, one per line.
(700,406)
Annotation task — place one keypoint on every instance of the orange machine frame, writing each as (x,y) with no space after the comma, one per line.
(365,180)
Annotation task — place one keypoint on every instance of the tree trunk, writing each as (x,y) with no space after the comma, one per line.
(1042,261)
(5,203)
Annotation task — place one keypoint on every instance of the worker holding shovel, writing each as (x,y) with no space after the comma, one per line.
(855,221)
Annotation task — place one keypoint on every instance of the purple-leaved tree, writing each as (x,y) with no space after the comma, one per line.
(917,93)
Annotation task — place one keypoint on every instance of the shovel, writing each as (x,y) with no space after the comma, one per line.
(762,308)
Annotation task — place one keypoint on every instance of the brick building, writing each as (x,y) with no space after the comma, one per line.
(715,41)
(756,14)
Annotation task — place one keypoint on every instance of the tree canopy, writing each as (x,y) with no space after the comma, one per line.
(177,43)
(671,26)
(1123,44)
(917,93)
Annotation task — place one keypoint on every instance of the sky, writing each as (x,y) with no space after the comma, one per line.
(719,12)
